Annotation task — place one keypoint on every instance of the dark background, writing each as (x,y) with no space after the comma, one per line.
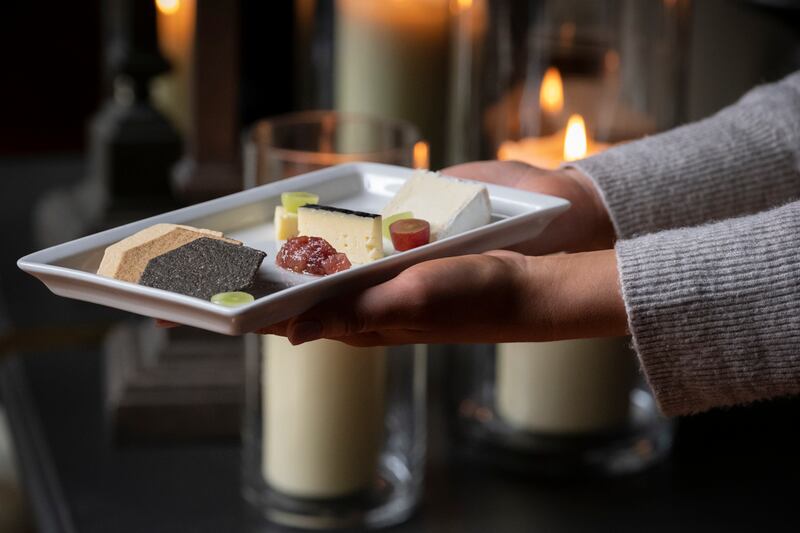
(52,57)
(733,469)
(50,54)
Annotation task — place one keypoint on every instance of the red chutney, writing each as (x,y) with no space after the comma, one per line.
(311,255)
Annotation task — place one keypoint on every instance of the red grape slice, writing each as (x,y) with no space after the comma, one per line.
(409,233)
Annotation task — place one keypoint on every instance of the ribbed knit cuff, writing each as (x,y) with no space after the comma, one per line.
(743,160)
(715,310)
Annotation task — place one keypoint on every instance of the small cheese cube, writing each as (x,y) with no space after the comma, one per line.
(358,235)
(285,224)
(450,205)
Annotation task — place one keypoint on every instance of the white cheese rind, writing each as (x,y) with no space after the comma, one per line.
(285,224)
(358,237)
(450,205)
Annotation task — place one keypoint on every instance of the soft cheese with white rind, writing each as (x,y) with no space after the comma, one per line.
(450,205)
(356,234)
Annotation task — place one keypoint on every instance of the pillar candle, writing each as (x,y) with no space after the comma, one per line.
(323,416)
(391,60)
(562,387)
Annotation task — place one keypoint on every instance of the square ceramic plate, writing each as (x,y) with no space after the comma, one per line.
(69,269)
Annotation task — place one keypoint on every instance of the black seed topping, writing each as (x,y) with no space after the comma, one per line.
(203,268)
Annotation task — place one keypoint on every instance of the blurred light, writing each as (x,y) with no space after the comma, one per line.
(575,142)
(551,93)
(457,6)
(168,7)
(421,156)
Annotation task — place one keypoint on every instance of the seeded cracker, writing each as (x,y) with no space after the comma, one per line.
(127,259)
(203,268)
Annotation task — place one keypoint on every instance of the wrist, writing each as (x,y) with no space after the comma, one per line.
(579,295)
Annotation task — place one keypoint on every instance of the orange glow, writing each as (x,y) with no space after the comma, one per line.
(168,7)
(421,155)
(458,6)
(575,141)
(551,93)
(503,152)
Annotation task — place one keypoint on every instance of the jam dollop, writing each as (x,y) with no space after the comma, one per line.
(311,255)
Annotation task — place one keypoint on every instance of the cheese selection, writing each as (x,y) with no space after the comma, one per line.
(318,239)
(428,207)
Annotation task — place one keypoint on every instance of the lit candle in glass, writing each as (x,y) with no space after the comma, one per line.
(567,386)
(550,151)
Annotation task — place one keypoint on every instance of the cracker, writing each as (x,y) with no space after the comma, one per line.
(127,259)
(203,268)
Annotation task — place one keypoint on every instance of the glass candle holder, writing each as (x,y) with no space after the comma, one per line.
(546,83)
(288,145)
(334,435)
(524,69)
(560,408)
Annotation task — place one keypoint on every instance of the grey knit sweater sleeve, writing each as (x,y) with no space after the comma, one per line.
(714,309)
(744,159)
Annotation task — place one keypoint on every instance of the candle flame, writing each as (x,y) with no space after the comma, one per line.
(551,93)
(575,141)
(421,159)
(168,7)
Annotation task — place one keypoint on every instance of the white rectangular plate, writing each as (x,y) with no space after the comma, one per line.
(69,269)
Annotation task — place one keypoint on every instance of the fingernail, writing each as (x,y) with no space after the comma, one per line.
(309,330)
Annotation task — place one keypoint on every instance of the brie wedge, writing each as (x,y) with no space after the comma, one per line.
(450,205)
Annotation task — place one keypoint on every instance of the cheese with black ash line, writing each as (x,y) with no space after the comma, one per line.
(354,233)
(450,205)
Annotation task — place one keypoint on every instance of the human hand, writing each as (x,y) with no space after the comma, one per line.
(498,296)
(584,227)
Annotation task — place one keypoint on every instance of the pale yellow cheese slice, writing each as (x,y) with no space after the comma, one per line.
(357,235)
(285,224)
